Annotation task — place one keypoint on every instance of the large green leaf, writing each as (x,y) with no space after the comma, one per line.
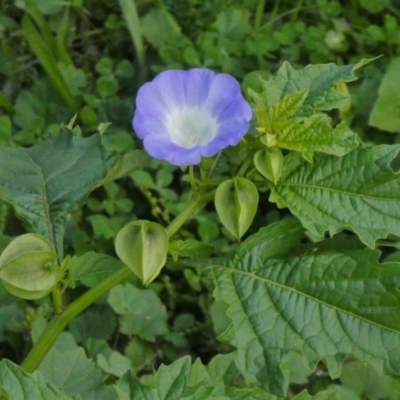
(326,303)
(67,367)
(359,192)
(180,380)
(46,182)
(17,384)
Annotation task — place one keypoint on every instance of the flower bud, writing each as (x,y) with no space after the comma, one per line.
(143,246)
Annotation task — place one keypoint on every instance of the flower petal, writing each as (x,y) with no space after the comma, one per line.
(158,146)
(224,88)
(197,86)
(171,88)
(238,107)
(230,133)
(183,115)
(149,100)
(146,124)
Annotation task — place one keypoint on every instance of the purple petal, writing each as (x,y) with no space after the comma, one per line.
(160,147)
(171,87)
(197,92)
(238,107)
(224,88)
(197,86)
(149,100)
(145,124)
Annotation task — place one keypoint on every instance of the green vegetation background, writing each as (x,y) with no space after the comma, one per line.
(58,58)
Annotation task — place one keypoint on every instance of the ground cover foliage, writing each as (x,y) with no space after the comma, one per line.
(293,296)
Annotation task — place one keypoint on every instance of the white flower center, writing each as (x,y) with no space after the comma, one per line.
(190,127)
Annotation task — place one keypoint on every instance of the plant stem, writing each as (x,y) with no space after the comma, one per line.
(60,321)
(192,180)
(57,299)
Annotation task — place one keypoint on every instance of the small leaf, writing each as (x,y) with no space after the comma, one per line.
(359,192)
(189,248)
(91,268)
(28,266)
(142,312)
(236,202)
(143,247)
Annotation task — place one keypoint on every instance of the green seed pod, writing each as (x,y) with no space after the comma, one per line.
(236,201)
(28,267)
(143,246)
(269,163)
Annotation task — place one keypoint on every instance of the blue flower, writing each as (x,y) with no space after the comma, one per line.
(185,115)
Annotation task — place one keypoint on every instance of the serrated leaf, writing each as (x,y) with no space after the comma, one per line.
(277,240)
(142,312)
(18,384)
(315,134)
(46,182)
(91,268)
(359,192)
(319,80)
(66,366)
(287,114)
(325,303)
(168,383)
(179,381)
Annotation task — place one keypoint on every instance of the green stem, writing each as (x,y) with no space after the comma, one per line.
(57,299)
(60,321)
(192,180)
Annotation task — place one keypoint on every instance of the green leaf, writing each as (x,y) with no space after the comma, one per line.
(359,192)
(315,134)
(327,304)
(386,112)
(129,11)
(142,312)
(91,268)
(17,384)
(167,384)
(332,393)
(180,381)
(48,181)
(317,80)
(189,248)
(277,240)
(48,61)
(286,125)
(66,366)
(364,380)
(5,130)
